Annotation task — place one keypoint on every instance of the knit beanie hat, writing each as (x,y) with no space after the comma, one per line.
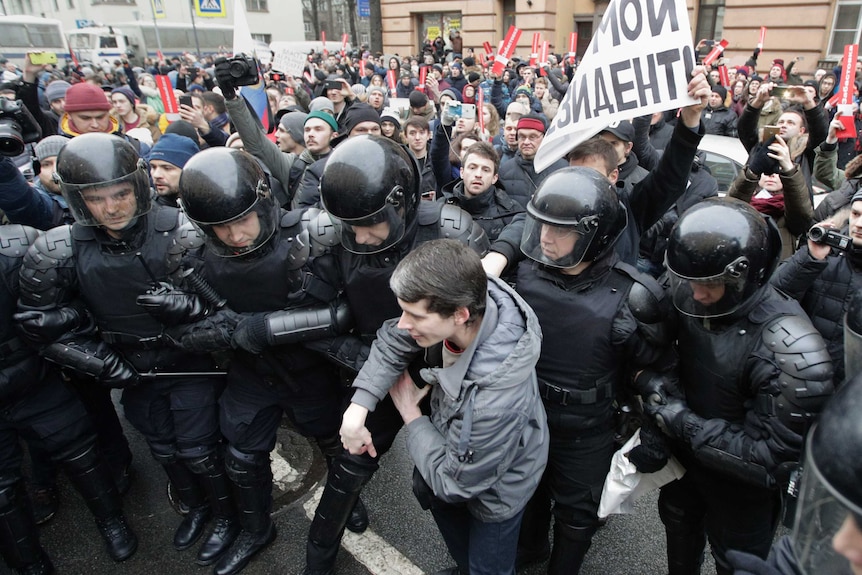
(358,113)
(174,149)
(49,147)
(380,89)
(184,129)
(532,122)
(721,91)
(126,92)
(473,77)
(326,117)
(320,104)
(451,93)
(86,97)
(418,99)
(56,90)
(293,124)
(523,88)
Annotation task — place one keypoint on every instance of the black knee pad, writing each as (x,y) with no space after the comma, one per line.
(203,465)
(9,491)
(349,473)
(676,520)
(330,446)
(74,450)
(84,457)
(163,453)
(247,469)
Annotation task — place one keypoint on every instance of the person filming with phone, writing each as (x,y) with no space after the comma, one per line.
(802,126)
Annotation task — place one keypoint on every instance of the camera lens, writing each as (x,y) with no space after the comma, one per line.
(238,69)
(816,233)
(11,141)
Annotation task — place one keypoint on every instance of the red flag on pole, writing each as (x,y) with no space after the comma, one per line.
(423,74)
(543,58)
(534,53)
(480,109)
(166,91)
(507,48)
(762,37)
(573,47)
(845,92)
(488,50)
(323,40)
(391,80)
(723,76)
(714,54)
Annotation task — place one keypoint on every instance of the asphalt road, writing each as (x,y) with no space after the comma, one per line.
(402,538)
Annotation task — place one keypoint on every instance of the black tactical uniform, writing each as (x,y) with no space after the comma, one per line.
(617,312)
(754,373)
(369,181)
(93,273)
(36,406)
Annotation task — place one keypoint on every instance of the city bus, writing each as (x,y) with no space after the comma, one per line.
(22,34)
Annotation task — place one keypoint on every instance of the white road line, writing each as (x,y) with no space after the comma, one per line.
(369,548)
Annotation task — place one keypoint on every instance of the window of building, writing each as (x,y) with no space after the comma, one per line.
(256,5)
(70,4)
(710,20)
(434,24)
(267,38)
(364,38)
(509,13)
(584,27)
(845,28)
(56,5)
(308,29)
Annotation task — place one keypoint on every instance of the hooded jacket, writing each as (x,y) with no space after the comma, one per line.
(495,464)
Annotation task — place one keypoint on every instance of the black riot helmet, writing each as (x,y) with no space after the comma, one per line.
(369,180)
(830,498)
(103,172)
(720,253)
(226,187)
(574,205)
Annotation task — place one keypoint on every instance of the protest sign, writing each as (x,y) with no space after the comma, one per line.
(289,61)
(639,61)
(845,92)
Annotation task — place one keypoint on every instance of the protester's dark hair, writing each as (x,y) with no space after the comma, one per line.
(799,111)
(214,100)
(483,150)
(455,147)
(418,122)
(595,147)
(446,274)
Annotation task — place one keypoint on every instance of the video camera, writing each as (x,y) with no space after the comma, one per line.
(17,127)
(244,70)
(821,235)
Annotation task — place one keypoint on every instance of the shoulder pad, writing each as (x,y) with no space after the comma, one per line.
(51,248)
(457,224)
(187,238)
(319,234)
(645,296)
(291,218)
(15,239)
(167,218)
(805,381)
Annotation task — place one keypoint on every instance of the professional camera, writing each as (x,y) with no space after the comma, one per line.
(244,70)
(17,127)
(819,234)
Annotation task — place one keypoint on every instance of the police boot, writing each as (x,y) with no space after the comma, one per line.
(226,527)
(252,479)
(533,544)
(91,477)
(685,541)
(357,522)
(19,536)
(188,491)
(343,484)
(570,547)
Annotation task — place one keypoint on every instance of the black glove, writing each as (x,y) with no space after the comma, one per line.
(224,78)
(654,388)
(674,418)
(759,161)
(251,334)
(46,326)
(212,334)
(346,350)
(96,359)
(173,307)
(652,453)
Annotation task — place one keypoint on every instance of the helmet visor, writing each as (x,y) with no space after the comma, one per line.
(373,233)
(245,233)
(114,204)
(820,514)
(555,244)
(713,296)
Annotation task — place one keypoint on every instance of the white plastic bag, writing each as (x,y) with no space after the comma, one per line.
(625,484)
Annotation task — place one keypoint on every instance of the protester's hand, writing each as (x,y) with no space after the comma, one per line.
(195,118)
(698,88)
(817,250)
(834,126)
(764,93)
(31,70)
(406,397)
(761,160)
(224,79)
(355,437)
(494,263)
(780,151)
(799,95)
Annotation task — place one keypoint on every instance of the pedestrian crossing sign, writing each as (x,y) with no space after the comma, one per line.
(211,8)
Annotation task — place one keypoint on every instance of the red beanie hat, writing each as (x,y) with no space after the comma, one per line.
(84,97)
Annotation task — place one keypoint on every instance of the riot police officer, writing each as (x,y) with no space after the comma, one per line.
(371,187)
(36,405)
(576,283)
(88,276)
(252,261)
(753,371)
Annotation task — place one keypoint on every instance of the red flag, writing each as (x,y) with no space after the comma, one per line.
(423,73)
(166,91)
(845,92)
(723,76)
(507,48)
(391,80)
(488,50)
(534,53)
(762,37)
(543,58)
(573,47)
(323,40)
(715,53)
(343,44)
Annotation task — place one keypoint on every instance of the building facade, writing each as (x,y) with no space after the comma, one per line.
(814,30)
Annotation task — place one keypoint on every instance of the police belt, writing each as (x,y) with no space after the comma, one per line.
(132,341)
(562,396)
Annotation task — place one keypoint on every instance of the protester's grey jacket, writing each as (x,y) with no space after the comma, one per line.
(495,464)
